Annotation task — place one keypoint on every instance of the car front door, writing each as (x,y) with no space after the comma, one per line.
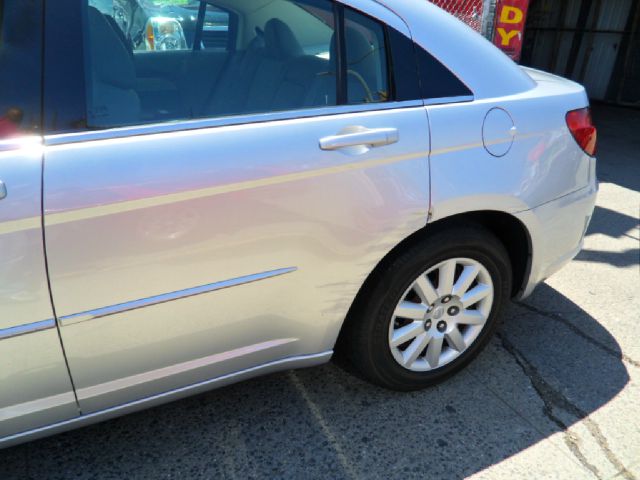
(183,251)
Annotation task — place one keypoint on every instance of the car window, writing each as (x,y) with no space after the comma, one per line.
(406,81)
(436,80)
(419,75)
(20,67)
(367,66)
(279,59)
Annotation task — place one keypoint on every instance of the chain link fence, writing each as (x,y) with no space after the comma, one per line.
(478,14)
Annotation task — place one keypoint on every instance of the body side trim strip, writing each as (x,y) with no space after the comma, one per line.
(121,384)
(302,361)
(169,297)
(240,120)
(26,328)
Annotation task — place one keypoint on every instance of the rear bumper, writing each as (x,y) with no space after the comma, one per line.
(557,230)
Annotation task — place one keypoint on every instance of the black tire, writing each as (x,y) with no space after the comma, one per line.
(365,343)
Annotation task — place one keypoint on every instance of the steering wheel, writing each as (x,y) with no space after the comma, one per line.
(363,83)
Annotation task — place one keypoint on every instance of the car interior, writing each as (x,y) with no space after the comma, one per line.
(279,56)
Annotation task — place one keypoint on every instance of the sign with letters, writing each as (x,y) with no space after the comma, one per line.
(511,16)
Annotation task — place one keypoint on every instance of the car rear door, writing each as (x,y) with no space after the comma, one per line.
(35,388)
(183,251)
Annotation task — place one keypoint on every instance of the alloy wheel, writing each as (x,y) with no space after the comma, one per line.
(441,314)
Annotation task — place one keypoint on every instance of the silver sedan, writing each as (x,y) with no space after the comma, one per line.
(237,187)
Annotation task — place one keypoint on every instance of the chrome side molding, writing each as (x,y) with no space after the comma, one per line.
(27,328)
(310,114)
(169,297)
(447,100)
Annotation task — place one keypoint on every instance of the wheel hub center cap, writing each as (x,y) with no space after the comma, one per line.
(438,313)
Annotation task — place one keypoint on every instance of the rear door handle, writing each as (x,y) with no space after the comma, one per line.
(3,190)
(365,137)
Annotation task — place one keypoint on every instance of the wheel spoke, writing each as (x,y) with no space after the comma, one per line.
(424,288)
(414,311)
(446,277)
(471,317)
(467,277)
(433,351)
(476,294)
(455,340)
(406,333)
(414,350)
(441,315)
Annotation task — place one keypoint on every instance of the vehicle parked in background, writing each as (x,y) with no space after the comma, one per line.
(325,176)
(165,24)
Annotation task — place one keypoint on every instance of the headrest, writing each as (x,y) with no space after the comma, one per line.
(360,56)
(280,42)
(359,51)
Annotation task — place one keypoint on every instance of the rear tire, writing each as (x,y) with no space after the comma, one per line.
(427,313)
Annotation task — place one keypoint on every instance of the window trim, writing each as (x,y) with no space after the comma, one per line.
(448,100)
(391,63)
(342,93)
(186,126)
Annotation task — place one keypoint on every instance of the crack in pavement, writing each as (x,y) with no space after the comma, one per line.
(597,343)
(552,398)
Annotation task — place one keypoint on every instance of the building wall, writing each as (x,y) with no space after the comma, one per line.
(595,42)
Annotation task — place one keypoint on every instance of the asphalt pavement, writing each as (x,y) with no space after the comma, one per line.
(555,395)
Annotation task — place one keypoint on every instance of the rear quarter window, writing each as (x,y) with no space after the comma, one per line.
(419,75)
(436,80)
(20,67)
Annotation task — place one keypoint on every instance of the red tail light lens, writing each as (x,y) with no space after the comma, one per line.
(583,130)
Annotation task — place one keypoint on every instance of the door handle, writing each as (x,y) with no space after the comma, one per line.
(3,190)
(364,137)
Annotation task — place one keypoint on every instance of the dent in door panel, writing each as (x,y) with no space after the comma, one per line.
(152,214)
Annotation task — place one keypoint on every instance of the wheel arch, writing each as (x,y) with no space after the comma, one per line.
(513,234)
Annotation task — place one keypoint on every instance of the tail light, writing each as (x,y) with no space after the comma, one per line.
(164,33)
(583,130)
